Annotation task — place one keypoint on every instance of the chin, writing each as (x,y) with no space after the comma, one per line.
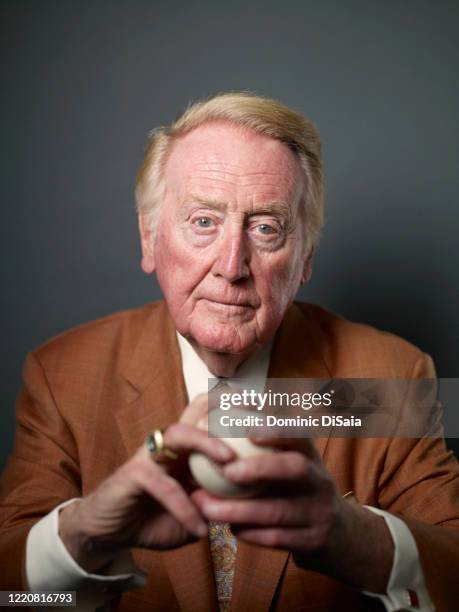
(225,338)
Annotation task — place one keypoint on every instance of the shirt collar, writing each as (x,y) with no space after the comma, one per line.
(196,374)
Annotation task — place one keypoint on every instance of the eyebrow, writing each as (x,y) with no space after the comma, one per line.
(210,202)
(267,208)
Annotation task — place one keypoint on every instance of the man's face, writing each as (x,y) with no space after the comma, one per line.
(229,252)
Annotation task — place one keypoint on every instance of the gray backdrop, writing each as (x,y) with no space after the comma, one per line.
(82,82)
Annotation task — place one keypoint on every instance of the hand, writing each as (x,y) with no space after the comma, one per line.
(302,512)
(142,504)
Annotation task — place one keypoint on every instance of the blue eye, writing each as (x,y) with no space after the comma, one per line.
(204,222)
(263,228)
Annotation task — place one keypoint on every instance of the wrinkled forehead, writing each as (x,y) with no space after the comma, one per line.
(221,156)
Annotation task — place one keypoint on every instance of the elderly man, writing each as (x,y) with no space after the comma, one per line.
(230,207)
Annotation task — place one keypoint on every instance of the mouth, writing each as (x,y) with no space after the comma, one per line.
(228,307)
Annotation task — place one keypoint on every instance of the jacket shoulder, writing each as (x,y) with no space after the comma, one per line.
(357,349)
(96,342)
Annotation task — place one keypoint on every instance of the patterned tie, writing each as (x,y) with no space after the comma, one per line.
(223,547)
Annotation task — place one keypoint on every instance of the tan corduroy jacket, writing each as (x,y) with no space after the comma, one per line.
(91,394)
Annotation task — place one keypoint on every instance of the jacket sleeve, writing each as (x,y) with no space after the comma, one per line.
(41,473)
(420,484)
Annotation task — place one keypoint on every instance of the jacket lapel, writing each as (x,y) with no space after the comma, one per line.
(191,574)
(298,352)
(156,392)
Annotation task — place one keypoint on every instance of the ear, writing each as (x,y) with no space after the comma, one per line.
(307,267)
(147,243)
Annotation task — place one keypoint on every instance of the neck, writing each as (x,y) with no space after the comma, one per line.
(220,364)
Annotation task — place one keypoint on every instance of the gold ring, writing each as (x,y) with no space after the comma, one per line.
(156,446)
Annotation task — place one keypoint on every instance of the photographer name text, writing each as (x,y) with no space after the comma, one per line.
(254,420)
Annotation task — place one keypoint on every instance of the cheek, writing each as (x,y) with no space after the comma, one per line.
(279,286)
(177,269)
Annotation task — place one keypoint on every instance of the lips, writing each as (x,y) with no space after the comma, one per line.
(226,302)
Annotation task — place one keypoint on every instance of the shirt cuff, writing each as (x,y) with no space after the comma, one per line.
(406,589)
(49,565)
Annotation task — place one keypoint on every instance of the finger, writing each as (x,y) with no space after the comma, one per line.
(184,438)
(200,496)
(170,494)
(302,445)
(283,467)
(263,512)
(295,540)
(195,411)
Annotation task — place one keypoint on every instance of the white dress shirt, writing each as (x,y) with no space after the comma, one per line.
(49,566)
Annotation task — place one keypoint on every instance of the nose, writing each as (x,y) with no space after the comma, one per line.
(232,260)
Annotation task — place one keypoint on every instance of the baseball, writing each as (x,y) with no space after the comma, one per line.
(209,475)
